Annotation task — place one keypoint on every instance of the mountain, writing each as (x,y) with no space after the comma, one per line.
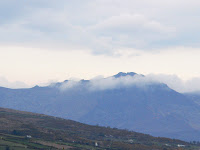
(25,130)
(193,96)
(125,101)
(123,74)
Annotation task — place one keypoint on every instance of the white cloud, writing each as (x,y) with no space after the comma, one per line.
(132,30)
(101,26)
(69,85)
(130,23)
(174,82)
(14,85)
(115,83)
(101,83)
(139,35)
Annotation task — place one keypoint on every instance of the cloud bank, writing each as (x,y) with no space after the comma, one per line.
(101,26)
(101,83)
(14,85)
(179,85)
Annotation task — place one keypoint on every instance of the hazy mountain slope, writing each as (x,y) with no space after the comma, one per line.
(194,96)
(156,110)
(48,100)
(58,132)
(152,108)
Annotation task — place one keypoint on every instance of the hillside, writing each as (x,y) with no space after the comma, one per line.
(50,132)
(151,108)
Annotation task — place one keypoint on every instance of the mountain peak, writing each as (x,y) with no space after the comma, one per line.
(123,74)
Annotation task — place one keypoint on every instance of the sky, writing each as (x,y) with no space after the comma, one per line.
(43,41)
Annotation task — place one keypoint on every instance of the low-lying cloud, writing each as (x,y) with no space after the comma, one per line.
(179,85)
(14,85)
(101,83)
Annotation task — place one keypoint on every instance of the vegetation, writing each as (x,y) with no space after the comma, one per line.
(24,130)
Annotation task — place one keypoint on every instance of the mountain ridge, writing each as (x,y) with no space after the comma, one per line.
(151,108)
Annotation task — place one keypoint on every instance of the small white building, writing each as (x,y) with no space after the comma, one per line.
(29,136)
(130,141)
(179,145)
(167,145)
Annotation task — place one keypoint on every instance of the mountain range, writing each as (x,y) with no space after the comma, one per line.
(124,101)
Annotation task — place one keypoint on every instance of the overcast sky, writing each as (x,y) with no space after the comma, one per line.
(53,40)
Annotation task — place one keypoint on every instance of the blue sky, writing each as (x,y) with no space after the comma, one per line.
(42,40)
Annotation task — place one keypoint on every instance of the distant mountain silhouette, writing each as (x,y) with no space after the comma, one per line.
(152,108)
(122,74)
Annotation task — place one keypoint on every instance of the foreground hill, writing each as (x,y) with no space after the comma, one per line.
(46,132)
(151,108)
